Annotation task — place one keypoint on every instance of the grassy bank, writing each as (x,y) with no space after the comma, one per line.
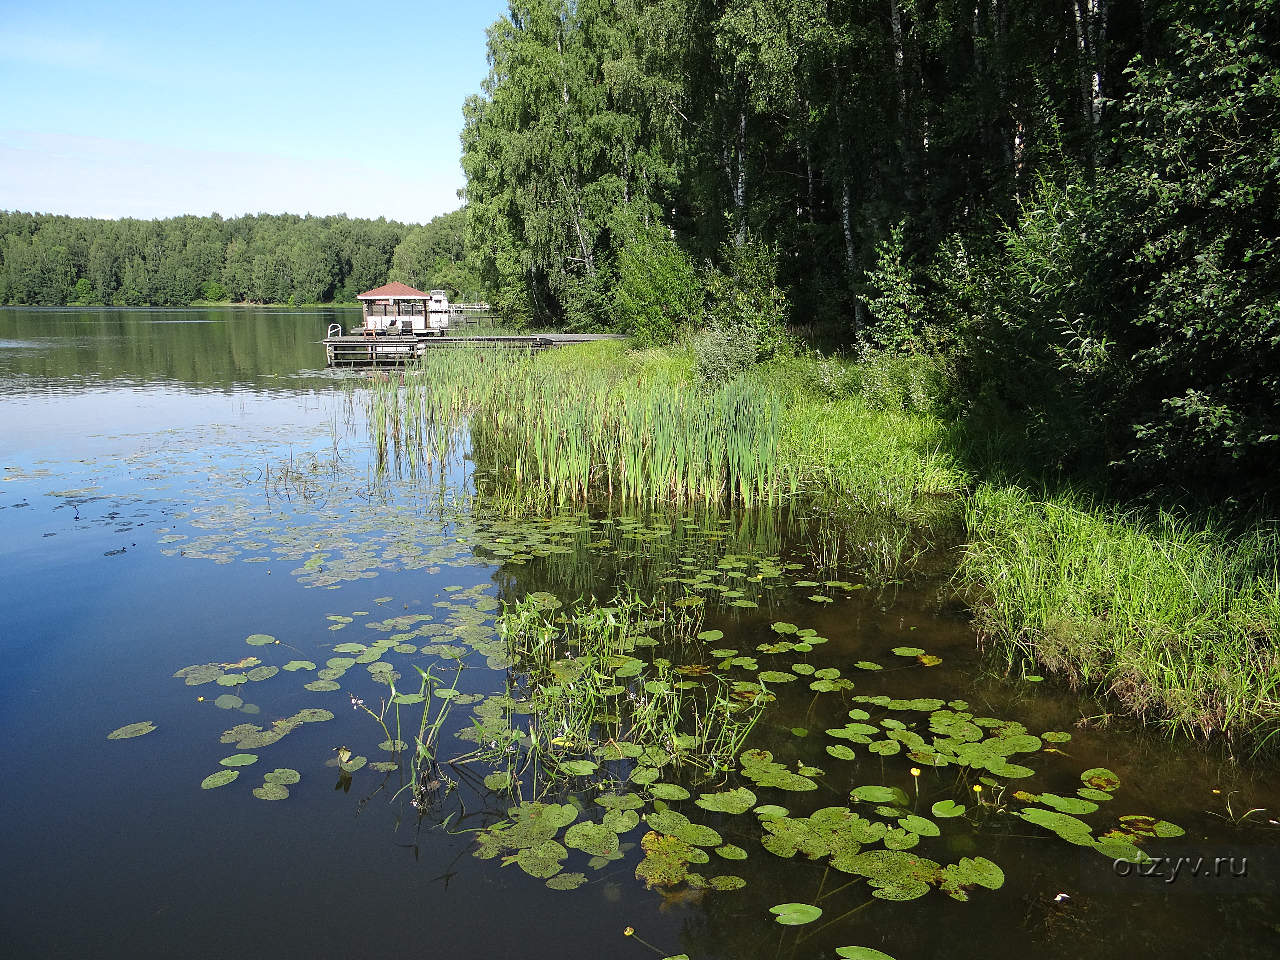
(1176,620)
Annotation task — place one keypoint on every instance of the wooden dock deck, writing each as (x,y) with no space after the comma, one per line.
(350,350)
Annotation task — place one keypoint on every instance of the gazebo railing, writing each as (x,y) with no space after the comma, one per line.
(385,310)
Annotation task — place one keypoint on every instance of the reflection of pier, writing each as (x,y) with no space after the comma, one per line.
(348,350)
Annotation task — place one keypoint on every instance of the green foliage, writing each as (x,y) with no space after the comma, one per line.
(1175,618)
(1129,320)
(746,314)
(659,290)
(49,260)
(434,257)
(898,306)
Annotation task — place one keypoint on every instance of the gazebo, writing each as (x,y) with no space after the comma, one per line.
(399,308)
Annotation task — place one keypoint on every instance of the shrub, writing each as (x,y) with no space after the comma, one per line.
(746,314)
(898,306)
(658,290)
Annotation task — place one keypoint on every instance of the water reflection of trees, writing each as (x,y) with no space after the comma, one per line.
(202,349)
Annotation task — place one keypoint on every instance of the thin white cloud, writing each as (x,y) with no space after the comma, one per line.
(95,177)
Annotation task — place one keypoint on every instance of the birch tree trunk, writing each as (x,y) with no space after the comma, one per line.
(740,184)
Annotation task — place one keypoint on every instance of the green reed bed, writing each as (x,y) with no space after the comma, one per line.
(1176,620)
(874,461)
(587,430)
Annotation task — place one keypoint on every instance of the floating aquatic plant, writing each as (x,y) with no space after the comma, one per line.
(131,730)
(795,914)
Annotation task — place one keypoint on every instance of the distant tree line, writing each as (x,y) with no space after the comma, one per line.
(1077,201)
(55,260)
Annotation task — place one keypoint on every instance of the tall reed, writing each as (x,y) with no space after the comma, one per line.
(583,431)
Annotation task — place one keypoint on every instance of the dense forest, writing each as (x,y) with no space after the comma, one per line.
(53,260)
(1074,201)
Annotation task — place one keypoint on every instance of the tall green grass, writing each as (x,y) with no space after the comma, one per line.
(1176,620)
(574,432)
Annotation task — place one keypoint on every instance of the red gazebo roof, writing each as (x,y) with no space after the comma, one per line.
(394,291)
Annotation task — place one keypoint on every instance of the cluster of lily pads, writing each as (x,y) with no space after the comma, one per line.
(570,715)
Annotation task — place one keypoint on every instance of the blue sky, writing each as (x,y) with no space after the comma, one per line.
(151,109)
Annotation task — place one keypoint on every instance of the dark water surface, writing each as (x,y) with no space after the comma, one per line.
(174,482)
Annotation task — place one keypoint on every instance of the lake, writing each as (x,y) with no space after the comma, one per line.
(204,557)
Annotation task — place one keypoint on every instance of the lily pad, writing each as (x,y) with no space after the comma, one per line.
(271,791)
(666,860)
(726,882)
(1067,804)
(795,914)
(1151,827)
(668,791)
(970,872)
(219,779)
(678,825)
(567,881)
(259,640)
(593,838)
(621,821)
(541,860)
(759,766)
(861,953)
(131,730)
(313,715)
(1100,778)
(894,874)
(239,760)
(876,794)
(1064,825)
(919,825)
(735,801)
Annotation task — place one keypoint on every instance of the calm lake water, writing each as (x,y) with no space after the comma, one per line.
(176,485)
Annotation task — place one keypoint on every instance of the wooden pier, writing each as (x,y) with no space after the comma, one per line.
(362,349)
